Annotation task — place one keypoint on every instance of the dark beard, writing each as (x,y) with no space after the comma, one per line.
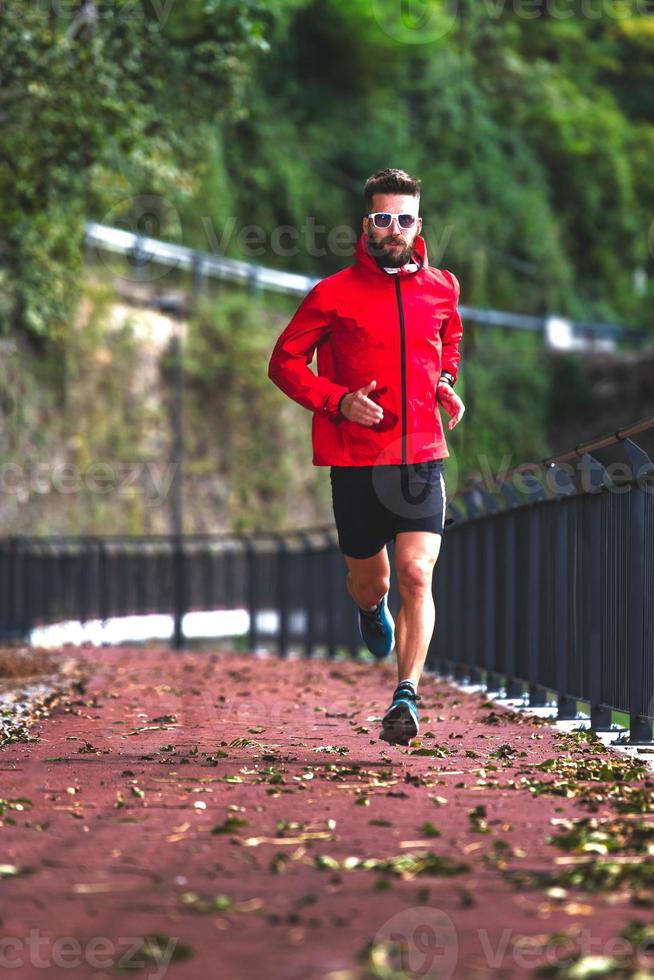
(384,258)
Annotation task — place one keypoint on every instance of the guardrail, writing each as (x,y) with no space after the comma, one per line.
(292,586)
(202,264)
(544,587)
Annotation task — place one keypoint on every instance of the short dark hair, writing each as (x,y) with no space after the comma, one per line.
(389,181)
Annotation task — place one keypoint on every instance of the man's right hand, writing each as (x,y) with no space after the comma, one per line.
(357,407)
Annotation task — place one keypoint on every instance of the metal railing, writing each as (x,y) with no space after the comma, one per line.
(291,585)
(545,586)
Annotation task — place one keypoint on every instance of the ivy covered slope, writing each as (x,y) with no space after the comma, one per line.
(101,102)
(533,136)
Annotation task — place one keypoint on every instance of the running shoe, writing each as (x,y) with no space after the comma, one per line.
(400,723)
(377,629)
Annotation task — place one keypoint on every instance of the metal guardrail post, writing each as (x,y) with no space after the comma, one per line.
(104,605)
(567,703)
(537,693)
(329,585)
(641,707)
(455,611)
(600,712)
(251,586)
(490,603)
(465,669)
(179,591)
(15,630)
(513,688)
(26,576)
(309,595)
(640,721)
(282,594)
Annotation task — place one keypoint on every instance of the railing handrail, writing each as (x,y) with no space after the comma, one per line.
(171,538)
(203,263)
(577,452)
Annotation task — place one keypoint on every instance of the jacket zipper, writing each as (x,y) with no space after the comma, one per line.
(398,293)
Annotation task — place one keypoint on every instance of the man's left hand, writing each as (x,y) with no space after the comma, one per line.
(451,402)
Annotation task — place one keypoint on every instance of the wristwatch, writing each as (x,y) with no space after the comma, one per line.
(447,378)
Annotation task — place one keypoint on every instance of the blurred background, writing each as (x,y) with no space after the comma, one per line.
(243,132)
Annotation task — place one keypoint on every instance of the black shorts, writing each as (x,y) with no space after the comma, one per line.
(373,503)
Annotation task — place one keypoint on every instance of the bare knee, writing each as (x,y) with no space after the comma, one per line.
(367,590)
(414,577)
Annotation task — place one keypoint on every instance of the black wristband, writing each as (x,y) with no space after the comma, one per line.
(340,402)
(447,377)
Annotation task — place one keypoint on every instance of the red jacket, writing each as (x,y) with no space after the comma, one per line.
(399,329)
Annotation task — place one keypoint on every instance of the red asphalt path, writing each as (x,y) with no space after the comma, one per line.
(98,877)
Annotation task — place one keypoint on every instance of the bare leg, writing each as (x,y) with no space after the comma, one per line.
(368,579)
(416,553)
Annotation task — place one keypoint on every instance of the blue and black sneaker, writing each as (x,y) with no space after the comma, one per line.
(377,629)
(400,723)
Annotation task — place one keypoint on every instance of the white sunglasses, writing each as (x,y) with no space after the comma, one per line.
(384,219)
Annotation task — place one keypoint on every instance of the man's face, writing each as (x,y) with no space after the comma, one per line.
(392,246)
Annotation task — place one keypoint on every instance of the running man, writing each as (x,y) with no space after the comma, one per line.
(387,333)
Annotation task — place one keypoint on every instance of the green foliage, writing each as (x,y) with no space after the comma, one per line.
(236,408)
(531,147)
(95,112)
(506,392)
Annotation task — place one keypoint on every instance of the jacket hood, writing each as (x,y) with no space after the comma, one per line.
(367,262)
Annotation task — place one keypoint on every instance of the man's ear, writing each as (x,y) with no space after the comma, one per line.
(364,222)
(419,225)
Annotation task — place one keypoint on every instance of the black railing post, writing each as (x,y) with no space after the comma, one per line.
(103,600)
(27,587)
(641,695)
(473,634)
(16,629)
(179,591)
(490,592)
(333,582)
(600,712)
(537,692)
(251,587)
(513,687)
(311,610)
(567,705)
(456,611)
(640,720)
(282,594)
